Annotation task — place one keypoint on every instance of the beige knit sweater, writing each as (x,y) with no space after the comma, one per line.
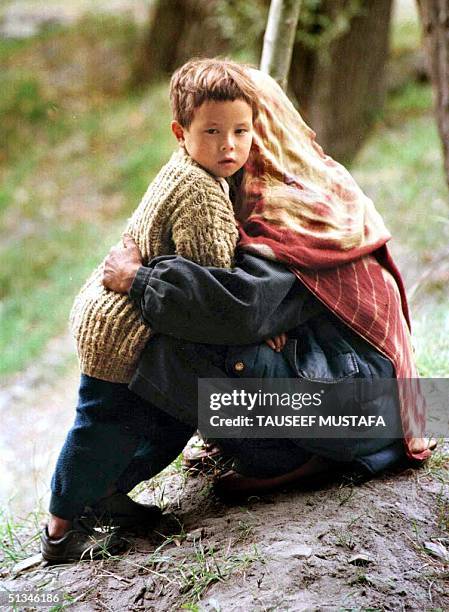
(184,211)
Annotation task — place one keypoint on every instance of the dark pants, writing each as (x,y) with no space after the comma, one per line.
(117,438)
(168,378)
(121,437)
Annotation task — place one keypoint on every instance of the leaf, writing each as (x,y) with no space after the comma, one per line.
(436,549)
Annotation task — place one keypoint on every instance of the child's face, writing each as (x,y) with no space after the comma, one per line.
(219,137)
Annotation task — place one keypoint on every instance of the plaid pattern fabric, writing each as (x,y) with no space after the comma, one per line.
(300,207)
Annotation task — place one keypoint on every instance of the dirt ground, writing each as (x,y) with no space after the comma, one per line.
(379,545)
(339,547)
(342,546)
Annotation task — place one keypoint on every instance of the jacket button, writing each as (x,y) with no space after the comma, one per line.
(239,366)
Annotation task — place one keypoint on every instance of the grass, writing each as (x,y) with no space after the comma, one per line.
(200,567)
(400,167)
(245,530)
(76,164)
(431,333)
(204,567)
(18,537)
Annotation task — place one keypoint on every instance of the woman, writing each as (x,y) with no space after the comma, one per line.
(301,209)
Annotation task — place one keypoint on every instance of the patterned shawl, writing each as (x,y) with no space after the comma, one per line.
(300,207)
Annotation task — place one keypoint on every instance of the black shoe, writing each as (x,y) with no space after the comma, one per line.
(119,510)
(81,542)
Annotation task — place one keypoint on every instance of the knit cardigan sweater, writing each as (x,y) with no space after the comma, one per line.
(184,211)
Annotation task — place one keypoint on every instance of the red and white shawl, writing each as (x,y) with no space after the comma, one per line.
(299,206)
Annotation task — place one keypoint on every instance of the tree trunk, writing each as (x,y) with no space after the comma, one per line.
(340,87)
(435,22)
(178,30)
(279,38)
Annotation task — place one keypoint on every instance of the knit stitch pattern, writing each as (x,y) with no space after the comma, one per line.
(184,212)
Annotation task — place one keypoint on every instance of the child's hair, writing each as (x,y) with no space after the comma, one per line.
(214,79)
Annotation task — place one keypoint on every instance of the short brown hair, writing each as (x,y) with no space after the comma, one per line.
(215,79)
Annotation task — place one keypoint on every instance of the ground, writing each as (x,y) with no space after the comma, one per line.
(341,547)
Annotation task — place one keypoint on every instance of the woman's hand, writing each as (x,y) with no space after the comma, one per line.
(121,265)
(278,342)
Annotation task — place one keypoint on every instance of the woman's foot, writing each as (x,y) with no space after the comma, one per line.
(193,457)
(232,485)
(419,445)
(201,456)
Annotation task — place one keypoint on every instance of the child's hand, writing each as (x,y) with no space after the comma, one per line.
(278,342)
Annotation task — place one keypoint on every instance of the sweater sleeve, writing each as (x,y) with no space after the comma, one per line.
(204,228)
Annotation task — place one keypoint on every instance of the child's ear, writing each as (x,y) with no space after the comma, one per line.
(178,131)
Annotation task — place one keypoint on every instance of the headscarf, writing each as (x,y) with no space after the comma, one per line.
(300,207)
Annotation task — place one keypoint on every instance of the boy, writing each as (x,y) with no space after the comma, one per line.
(186,210)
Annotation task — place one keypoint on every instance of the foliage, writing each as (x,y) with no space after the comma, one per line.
(18,537)
(318,29)
(413,99)
(400,167)
(242,24)
(75,166)
(431,333)
(23,105)
(46,79)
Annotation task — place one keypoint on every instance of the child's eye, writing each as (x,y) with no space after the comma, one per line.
(212,131)
(241,131)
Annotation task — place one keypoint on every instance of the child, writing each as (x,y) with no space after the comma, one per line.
(186,211)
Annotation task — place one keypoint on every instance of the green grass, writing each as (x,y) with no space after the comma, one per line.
(206,566)
(401,169)
(33,311)
(412,99)
(70,178)
(431,333)
(405,35)
(19,538)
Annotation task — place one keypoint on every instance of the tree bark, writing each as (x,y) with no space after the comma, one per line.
(178,30)
(340,88)
(435,23)
(279,39)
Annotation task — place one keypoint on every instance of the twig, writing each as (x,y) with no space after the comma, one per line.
(103,604)
(120,578)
